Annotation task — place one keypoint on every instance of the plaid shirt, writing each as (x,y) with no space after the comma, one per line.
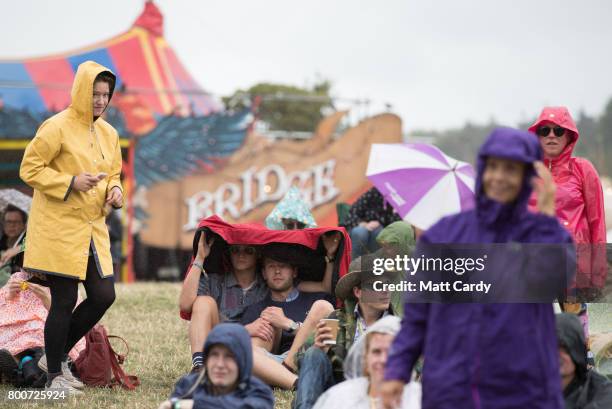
(230,297)
(360,323)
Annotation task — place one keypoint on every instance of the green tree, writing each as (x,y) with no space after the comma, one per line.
(605,140)
(285,107)
(589,144)
(461,143)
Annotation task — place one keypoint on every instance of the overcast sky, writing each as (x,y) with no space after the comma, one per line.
(438,63)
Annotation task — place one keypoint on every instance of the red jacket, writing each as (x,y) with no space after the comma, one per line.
(579,201)
(258,235)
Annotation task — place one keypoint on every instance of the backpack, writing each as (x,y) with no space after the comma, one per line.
(99,365)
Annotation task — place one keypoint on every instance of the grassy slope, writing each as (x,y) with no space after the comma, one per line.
(146,315)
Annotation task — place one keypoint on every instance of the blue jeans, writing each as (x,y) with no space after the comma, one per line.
(316,376)
(280,358)
(364,241)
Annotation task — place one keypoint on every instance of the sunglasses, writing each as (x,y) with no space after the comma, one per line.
(545,131)
(293,225)
(248,250)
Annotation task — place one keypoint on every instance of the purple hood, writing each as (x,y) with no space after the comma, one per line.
(506,143)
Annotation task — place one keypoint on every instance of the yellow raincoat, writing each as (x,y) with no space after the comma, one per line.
(63,221)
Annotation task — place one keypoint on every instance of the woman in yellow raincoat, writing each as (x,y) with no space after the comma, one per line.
(73,164)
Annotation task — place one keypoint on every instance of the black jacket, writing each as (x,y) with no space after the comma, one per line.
(588,390)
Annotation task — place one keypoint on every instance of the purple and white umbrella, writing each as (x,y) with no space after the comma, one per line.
(421,182)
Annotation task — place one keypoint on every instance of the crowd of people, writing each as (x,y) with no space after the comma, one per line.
(292,305)
(441,355)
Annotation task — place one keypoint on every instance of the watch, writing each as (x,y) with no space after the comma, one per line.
(329,259)
(294,326)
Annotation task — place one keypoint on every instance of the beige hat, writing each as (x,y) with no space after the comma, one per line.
(357,270)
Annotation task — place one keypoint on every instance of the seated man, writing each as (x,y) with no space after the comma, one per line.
(582,388)
(214,298)
(281,322)
(321,365)
(227,381)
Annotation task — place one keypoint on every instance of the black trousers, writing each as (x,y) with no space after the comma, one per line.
(65,325)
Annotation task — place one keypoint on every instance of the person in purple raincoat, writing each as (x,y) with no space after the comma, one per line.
(488,355)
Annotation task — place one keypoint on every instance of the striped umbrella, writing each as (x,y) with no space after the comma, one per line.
(421,182)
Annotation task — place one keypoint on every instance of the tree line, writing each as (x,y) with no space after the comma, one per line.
(595,141)
(293,108)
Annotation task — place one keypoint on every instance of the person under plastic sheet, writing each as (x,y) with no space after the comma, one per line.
(234,280)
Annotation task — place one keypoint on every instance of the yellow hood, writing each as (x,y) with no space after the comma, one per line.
(82,89)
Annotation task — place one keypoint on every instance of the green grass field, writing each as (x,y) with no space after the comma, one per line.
(146,315)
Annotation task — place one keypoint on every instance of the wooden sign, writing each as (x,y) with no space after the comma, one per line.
(326,170)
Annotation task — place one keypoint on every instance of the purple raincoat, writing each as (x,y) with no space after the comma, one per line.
(489,356)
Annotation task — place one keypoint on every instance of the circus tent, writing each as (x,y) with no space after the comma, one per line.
(143,60)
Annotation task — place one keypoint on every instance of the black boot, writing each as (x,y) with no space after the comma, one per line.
(8,367)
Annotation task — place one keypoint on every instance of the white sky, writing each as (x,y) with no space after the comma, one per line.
(439,63)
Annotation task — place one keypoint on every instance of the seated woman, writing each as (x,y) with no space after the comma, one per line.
(367,358)
(24,307)
(12,241)
(227,382)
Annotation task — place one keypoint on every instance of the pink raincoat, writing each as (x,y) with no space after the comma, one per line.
(579,201)
(22,320)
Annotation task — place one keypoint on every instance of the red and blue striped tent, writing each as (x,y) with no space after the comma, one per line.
(155,89)
(142,59)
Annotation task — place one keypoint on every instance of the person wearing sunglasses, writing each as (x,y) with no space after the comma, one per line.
(209,299)
(291,213)
(238,249)
(578,202)
(292,224)
(214,298)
